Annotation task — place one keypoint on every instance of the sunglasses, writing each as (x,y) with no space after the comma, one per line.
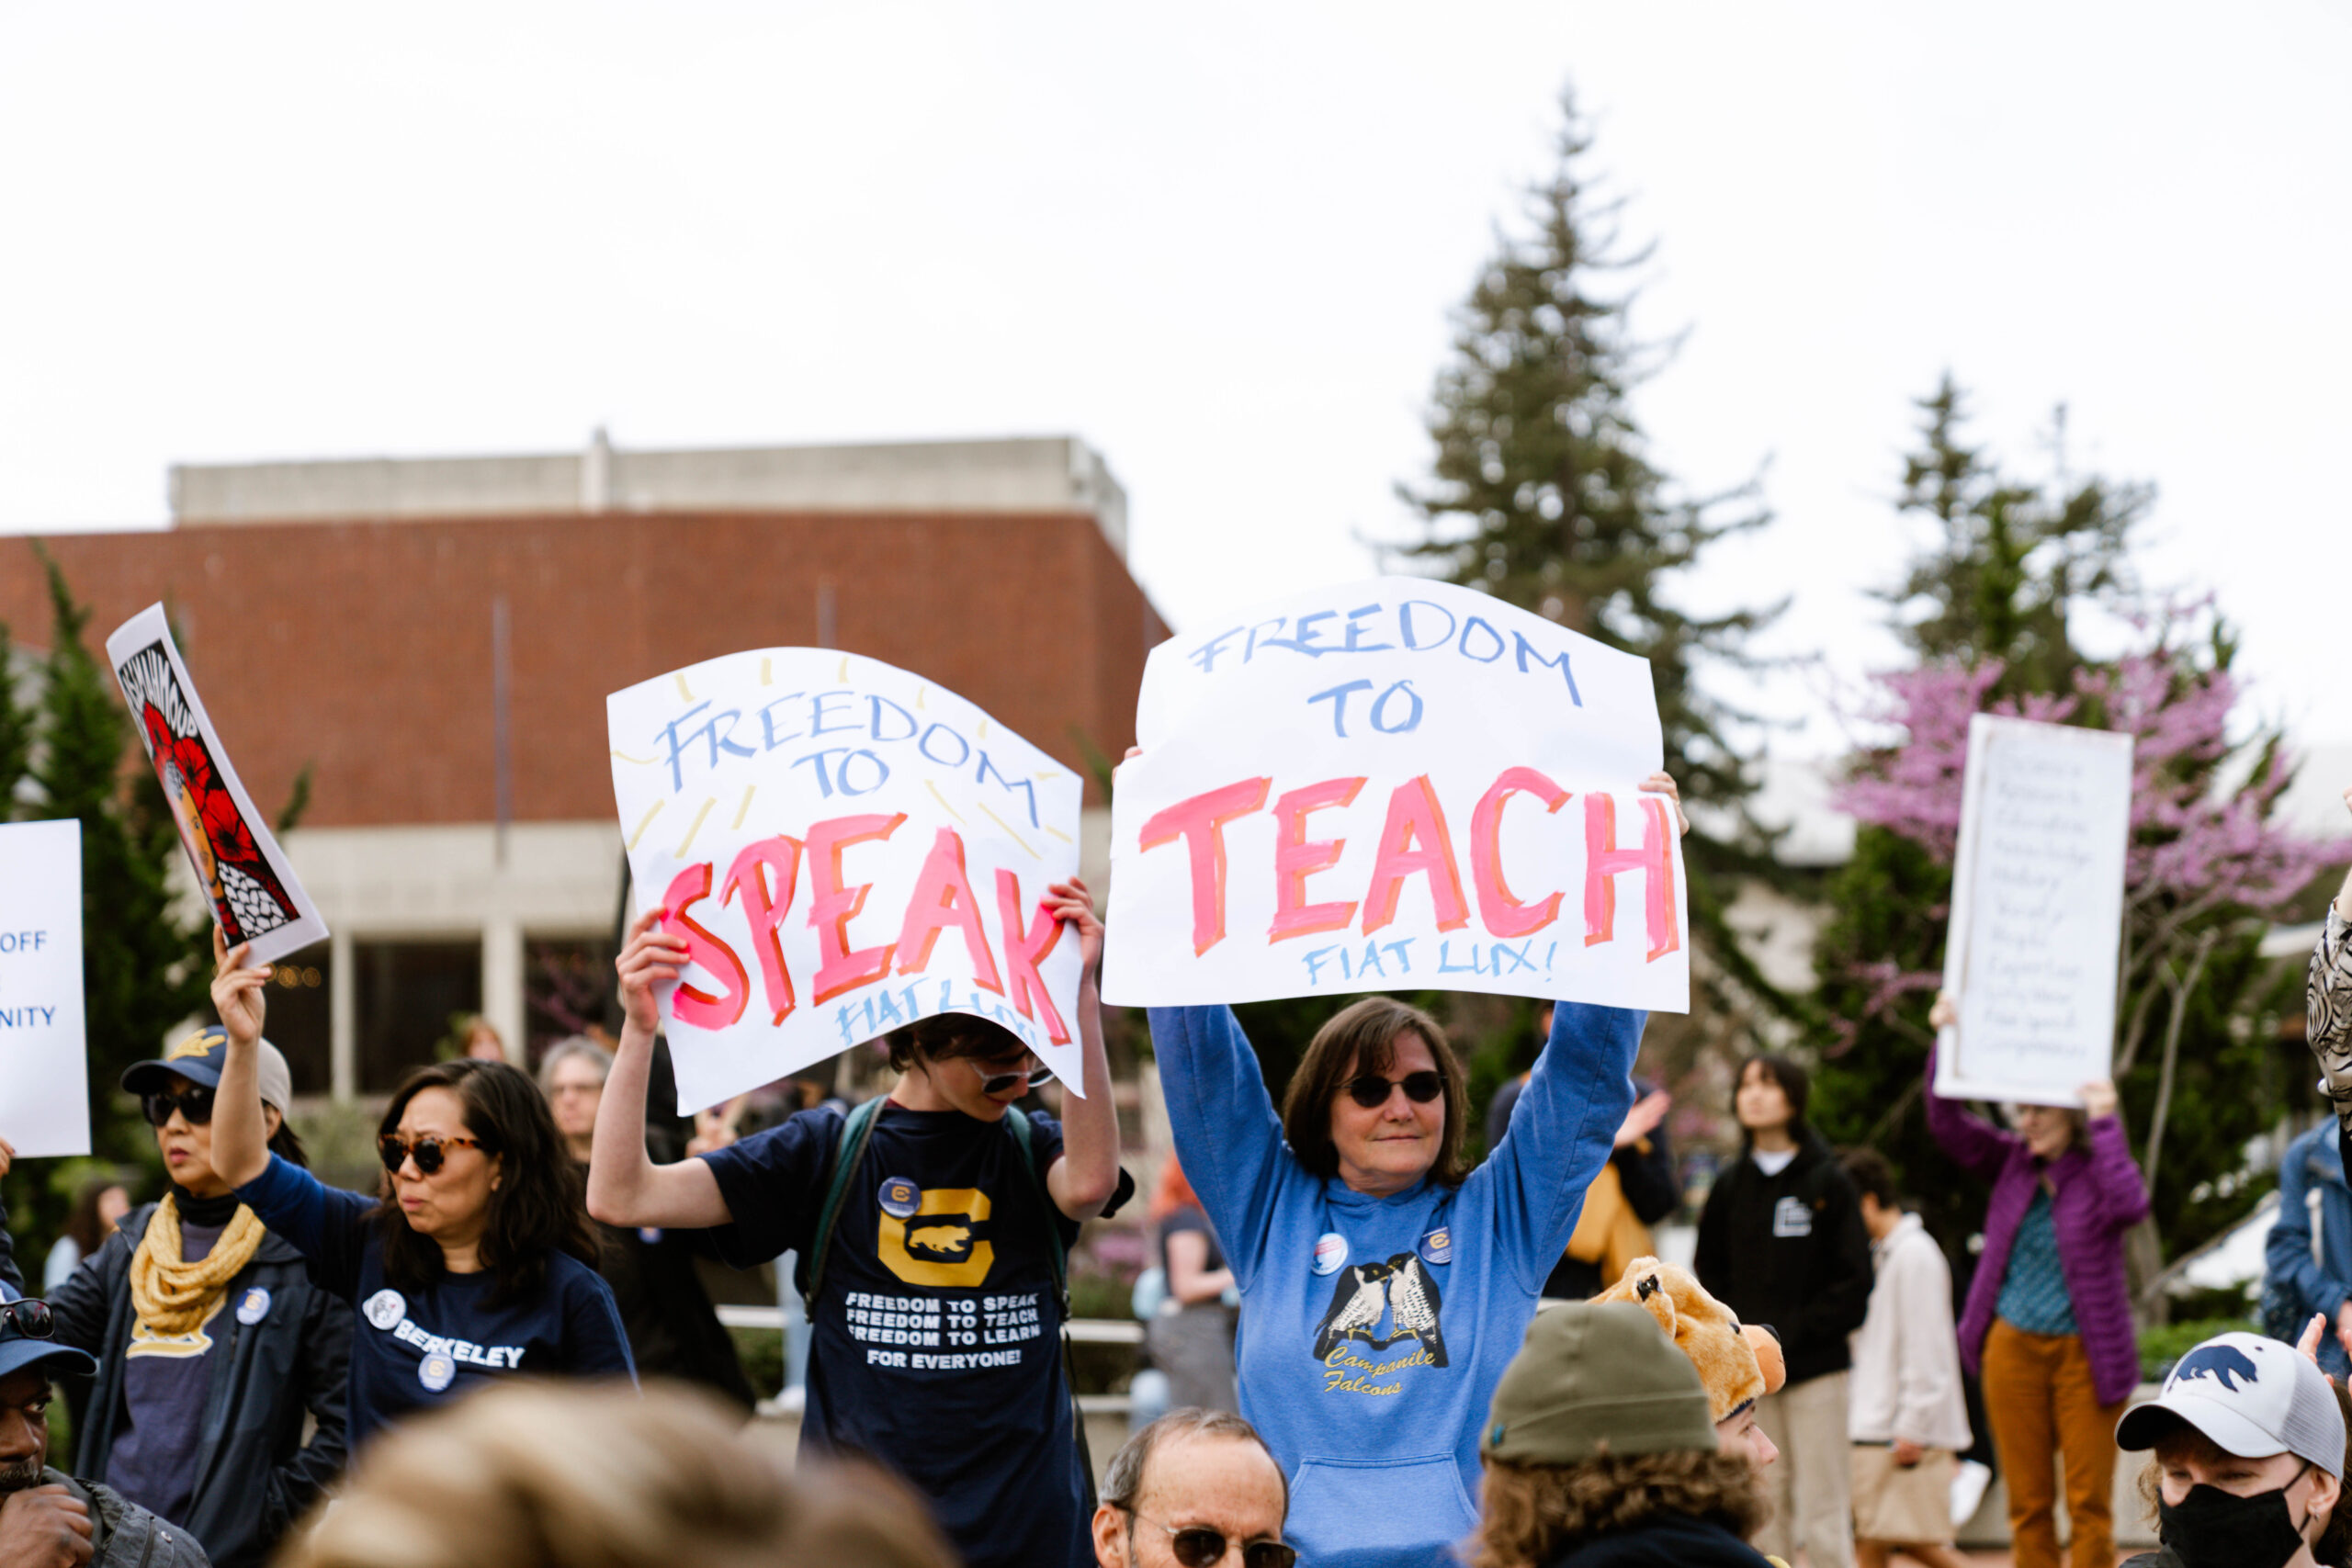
(33,1319)
(1026,1079)
(196,1104)
(1199,1546)
(1370,1090)
(427,1151)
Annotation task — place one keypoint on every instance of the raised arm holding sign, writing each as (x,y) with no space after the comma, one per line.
(1395,785)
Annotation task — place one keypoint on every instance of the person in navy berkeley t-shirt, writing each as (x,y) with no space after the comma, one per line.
(937,1324)
(479,1264)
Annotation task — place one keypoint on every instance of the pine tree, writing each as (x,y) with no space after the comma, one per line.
(1989,608)
(145,970)
(1544,496)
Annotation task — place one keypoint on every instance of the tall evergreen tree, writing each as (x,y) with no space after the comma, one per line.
(142,972)
(1542,493)
(1989,609)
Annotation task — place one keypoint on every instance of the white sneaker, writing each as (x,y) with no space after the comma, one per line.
(1969,1480)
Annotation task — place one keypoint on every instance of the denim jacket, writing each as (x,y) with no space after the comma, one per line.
(2318,1265)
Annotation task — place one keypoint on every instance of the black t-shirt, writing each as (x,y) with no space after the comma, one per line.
(937,1349)
(1189,1217)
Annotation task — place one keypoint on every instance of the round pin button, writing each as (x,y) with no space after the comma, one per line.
(900,1198)
(385,1308)
(252,1306)
(1437,1247)
(436,1372)
(1330,1251)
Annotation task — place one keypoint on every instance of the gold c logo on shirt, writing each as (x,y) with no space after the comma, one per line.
(934,1245)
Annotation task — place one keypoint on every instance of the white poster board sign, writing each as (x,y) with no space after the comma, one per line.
(1390,786)
(44,1073)
(2037,912)
(246,878)
(845,848)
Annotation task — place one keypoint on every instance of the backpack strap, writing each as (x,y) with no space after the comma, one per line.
(857,1128)
(1016,1121)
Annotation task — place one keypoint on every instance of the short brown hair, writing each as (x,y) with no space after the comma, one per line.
(1361,1038)
(946,1035)
(1534,1513)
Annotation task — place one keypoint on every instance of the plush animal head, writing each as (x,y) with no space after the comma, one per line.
(1738,1364)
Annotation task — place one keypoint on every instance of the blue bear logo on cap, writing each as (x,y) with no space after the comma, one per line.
(2220,1363)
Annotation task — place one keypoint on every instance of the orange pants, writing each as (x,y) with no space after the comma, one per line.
(2044,1413)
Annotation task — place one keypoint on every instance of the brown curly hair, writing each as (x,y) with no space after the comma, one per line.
(1536,1513)
(2334,1549)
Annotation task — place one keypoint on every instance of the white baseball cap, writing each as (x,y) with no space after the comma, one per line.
(2255,1397)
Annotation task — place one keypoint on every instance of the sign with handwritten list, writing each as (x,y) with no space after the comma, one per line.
(2036,913)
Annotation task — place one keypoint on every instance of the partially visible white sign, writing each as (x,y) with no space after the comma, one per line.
(1395,784)
(44,1073)
(2037,912)
(247,880)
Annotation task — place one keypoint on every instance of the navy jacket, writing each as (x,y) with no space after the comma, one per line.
(1666,1540)
(259,1476)
(2312,1196)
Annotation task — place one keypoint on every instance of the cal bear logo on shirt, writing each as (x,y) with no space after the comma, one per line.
(937,1244)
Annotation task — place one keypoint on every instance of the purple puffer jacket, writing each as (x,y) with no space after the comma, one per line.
(2098,1196)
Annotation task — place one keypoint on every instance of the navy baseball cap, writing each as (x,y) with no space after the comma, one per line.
(19,1349)
(198,1057)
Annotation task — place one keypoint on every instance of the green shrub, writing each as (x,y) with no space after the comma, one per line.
(2160,1348)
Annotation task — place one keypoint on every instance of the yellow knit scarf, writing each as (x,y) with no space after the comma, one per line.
(174,1297)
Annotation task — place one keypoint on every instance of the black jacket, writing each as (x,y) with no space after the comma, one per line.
(1646,1176)
(123,1534)
(1666,1540)
(257,1476)
(1789,1251)
(674,1331)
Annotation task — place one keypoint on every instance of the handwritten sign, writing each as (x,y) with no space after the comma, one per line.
(44,1081)
(245,876)
(2037,912)
(845,848)
(1395,785)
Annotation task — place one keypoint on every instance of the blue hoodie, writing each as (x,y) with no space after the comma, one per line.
(1374,1330)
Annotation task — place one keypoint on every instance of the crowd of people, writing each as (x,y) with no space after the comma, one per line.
(273,1369)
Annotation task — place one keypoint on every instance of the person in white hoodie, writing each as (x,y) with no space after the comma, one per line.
(1908,1419)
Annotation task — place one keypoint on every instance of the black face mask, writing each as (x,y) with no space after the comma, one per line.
(2213,1528)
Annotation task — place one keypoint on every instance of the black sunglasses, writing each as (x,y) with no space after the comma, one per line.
(1199,1546)
(1028,1078)
(427,1151)
(196,1104)
(1370,1090)
(33,1319)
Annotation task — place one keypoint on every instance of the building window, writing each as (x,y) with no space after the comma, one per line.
(412,998)
(299,1016)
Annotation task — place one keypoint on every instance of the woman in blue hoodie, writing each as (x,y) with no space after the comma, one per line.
(1384,1285)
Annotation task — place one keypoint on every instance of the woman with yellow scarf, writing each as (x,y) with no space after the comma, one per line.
(214,1349)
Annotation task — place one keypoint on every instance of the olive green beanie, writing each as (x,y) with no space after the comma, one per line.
(1595,1379)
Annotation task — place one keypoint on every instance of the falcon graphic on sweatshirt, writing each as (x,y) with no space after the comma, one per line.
(1400,1291)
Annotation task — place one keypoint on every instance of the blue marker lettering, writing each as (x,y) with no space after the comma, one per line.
(1314,961)
(1561,663)
(1403,951)
(1355,633)
(961,756)
(1028,790)
(1405,625)
(1302,637)
(1412,719)
(767,721)
(1250,649)
(1478,623)
(819,726)
(1338,696)
(1205,655)
(874,706)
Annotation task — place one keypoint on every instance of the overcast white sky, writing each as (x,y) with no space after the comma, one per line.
(1219,242)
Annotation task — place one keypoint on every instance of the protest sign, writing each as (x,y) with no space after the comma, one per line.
(245,876)
(2037,912)
(844,848)
(44,1081)
(1392,785)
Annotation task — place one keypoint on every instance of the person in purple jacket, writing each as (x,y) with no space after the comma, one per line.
(2048,1323)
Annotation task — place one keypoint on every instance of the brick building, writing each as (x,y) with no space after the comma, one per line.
(370,620)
